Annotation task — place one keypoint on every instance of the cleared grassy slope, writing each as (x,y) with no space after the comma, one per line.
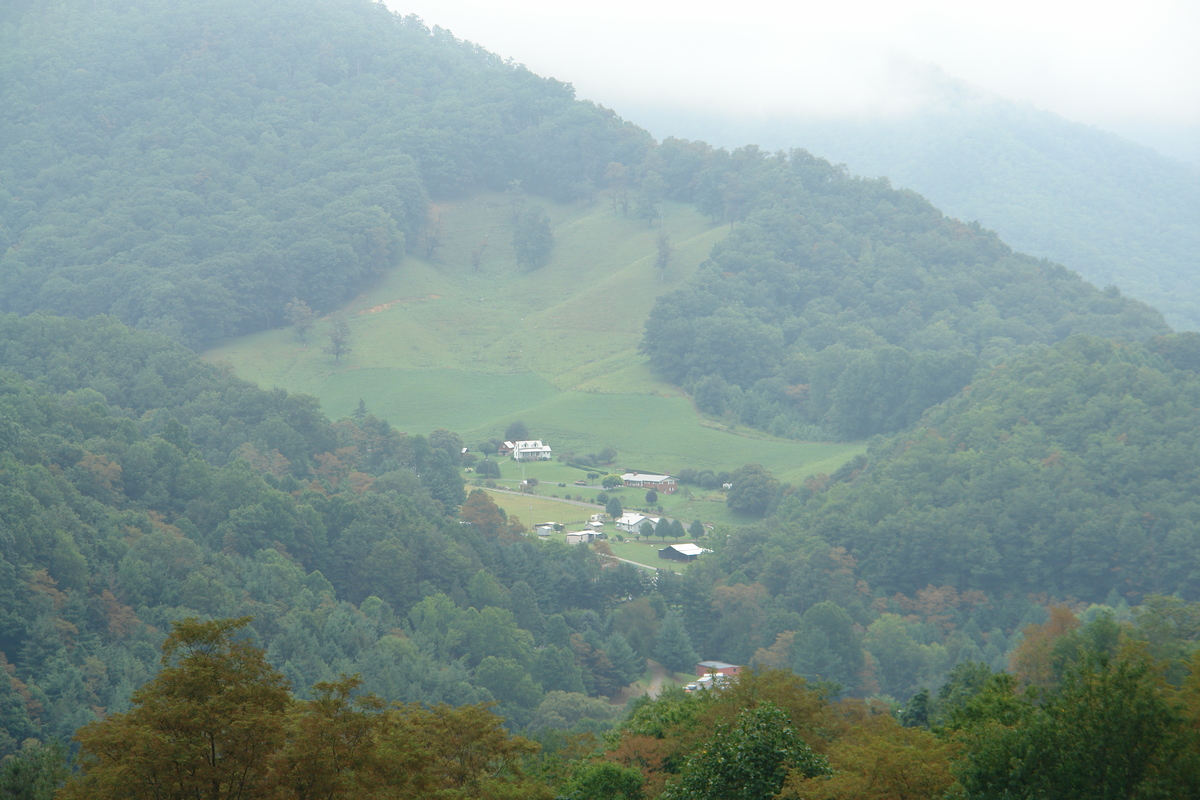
(439,344)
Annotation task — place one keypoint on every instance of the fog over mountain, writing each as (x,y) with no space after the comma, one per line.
(1074,138)
(1130,70)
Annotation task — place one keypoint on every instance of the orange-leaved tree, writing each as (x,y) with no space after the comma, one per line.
(219,723)
(207,727)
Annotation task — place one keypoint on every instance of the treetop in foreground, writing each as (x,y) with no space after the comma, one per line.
(219,723)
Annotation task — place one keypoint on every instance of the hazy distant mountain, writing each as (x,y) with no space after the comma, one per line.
(1113,210)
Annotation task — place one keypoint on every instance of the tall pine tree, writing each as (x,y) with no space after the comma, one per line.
(673,648)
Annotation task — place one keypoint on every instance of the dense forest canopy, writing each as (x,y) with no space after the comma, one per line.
(139,486)
(845,305)
(192,167)
(1069,470)
(1096,710)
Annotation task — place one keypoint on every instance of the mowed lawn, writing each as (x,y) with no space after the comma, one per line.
(533,509)
(438,344)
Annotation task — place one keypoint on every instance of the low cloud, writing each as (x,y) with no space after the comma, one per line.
(1109,64)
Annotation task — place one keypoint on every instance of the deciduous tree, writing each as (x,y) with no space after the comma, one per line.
(755,491)
(341,341)
(301,317)
(206,727)
(747,761)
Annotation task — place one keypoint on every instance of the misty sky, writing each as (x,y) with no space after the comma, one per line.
(1125,67)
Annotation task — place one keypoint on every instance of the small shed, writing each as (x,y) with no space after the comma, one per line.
(582,537)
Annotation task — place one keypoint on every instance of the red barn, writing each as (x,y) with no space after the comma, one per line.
(716,668)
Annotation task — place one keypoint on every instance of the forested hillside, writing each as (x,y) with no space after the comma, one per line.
(1026,503)
(190,168)
(1067,473)
(139,486)
(847,306)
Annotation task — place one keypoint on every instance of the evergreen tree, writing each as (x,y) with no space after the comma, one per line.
(35,773)
(613,508)
(558,632)
(827,647)
(555,669)
(673,647)
(665,251)
(525,608)
(627,663)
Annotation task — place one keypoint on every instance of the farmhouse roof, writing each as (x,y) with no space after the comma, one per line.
(636,519)
(645,477)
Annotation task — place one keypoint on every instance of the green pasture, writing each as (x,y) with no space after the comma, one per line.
(576,319)
(652,433)
(438,344)
(547,472)
(543,509)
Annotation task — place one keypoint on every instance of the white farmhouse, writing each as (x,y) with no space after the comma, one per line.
(530,451)
(630,522)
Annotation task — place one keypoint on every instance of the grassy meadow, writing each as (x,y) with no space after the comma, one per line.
(439,344)
(534,509)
